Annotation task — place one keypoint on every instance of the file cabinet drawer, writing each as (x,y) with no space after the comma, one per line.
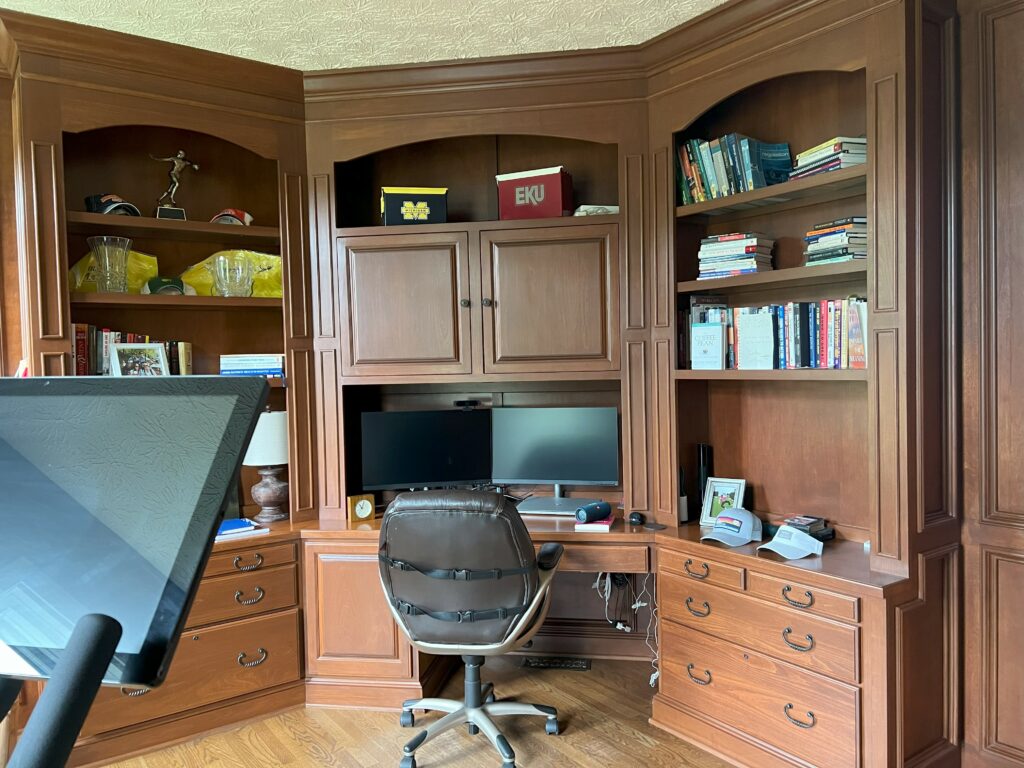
(801,713)
(815,643)
(243,594)
(613,558)
(701,569)
(804,598)
(249,560)
(210,665)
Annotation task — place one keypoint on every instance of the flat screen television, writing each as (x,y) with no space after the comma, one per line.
(425,449)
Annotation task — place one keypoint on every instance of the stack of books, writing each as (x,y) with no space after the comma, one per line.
(812,526)
(708,170)
(831,155)
(737,253)
(252,365)
(238,528)
(92,350)
(830,333)
(839,240)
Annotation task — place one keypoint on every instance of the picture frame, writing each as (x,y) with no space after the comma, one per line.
(721,493)
(128,359)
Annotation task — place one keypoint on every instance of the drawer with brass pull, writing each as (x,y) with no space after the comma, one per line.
(249,560)
(700,568)
(811,599)
(210,665)
(243,594)
(803,714)
(790,634)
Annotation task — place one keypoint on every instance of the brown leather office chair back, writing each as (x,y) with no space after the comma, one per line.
(458,566)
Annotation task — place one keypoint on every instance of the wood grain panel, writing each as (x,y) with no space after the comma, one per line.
(329,429)
(633,224)
(322,256)
(888,504)
(662,294)
(238,595)
(302,433)
(47,215)
(249,560)
(819,601)
(350,632)
(594,558)
(293,233)
(54,364)
(635,433)
(1002,707)
(701,568)
(666,502)
(884,223)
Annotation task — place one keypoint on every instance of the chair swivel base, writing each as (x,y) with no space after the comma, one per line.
(476,711)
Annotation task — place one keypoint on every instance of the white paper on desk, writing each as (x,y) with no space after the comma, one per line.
(757,339)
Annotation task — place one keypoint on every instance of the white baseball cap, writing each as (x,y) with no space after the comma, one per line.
(735,527)
(792,543)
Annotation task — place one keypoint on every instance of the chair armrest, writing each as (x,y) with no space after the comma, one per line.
(549,555)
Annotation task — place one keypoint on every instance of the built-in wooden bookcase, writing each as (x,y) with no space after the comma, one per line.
(775,428)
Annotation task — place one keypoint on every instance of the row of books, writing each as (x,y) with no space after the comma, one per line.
(832,155)
(252,365)
(708,170)
(838,240)
(93,345)
(830,333)
(737,253)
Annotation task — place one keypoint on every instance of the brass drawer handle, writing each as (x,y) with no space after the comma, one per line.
(260,594)
(802,648)
(800,723)
(706,680)
(694,574)
(255,662)
(698,614)
(796,603)
(258,561)
(134,692)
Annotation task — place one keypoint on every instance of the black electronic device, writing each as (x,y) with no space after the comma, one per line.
(556,446)
(637,518)
(705,469)
(595,510)
(425,449)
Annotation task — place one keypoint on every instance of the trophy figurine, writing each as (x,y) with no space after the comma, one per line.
(170,209)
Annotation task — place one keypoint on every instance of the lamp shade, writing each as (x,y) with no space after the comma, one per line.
(269,444)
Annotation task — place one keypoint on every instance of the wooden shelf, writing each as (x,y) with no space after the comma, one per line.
(789,374)
(146,227)
(163,301)
(476,226)
(802,276)
(833,185)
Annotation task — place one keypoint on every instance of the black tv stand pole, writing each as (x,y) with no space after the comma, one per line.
(51,731)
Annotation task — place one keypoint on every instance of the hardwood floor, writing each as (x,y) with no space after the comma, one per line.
(603,714)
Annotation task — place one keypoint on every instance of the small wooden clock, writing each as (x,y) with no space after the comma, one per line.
(361,508)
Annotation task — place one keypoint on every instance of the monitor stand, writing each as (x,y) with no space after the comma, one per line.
(552,505)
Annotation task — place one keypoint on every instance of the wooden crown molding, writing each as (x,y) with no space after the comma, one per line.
(23,35)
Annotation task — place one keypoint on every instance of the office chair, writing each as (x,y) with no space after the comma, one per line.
(460,574)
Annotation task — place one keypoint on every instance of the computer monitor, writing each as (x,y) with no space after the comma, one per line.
(425,449)
(111,491)
(558,446)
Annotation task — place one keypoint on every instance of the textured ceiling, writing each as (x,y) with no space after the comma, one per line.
(321,34)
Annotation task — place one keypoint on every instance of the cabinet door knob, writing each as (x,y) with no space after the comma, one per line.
(706,680)
(465,303)
(800,723)
(797,603)
(488,302)
(242,662)
(260,594)
(256,563)
(802,648)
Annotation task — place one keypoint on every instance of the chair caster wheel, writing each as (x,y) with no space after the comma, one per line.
(551,727)
(408,762)
(407,720)
(473,730)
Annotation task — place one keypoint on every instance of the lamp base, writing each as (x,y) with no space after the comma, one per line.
(271,493)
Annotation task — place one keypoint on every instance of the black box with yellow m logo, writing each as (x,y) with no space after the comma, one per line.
(413,205)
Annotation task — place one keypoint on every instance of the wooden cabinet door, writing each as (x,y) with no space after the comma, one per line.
(550,299)
(405,304)
(350,632)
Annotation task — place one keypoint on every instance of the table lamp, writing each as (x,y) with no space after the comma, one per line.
(268,450)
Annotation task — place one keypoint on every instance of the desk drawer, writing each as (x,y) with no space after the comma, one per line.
(786,633)
(804,714)
(249,560)
(207,668)
(803,597)
(701,569)
(243,594)
(613,558)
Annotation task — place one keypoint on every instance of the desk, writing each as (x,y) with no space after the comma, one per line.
(355,654)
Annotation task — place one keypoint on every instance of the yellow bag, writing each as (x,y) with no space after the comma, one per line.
(265,284)
(141,268)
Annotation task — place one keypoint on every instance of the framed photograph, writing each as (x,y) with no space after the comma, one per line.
(138,360)
(721,493)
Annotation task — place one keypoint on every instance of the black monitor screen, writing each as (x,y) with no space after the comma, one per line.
(110,493)
(578,446)
(414,449)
